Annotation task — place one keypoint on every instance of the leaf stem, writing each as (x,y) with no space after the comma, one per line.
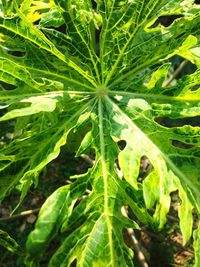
(136,247)
(176,72)
(105,174)
(20,215)
(153,96)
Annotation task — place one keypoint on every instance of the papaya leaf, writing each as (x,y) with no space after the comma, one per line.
(102,66)
(196,245)
(8,242)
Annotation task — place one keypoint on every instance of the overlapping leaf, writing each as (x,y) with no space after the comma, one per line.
(102,66)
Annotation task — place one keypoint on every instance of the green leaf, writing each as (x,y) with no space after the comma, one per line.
(101,66)
(196,245)
(185,214)
(38,104)
(55,210)
(8,242)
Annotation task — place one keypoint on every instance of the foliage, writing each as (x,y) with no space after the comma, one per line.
(8,242)
(100,68)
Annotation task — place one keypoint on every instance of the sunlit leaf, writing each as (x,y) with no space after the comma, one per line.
(101,66)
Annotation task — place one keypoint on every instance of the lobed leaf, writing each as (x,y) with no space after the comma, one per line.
(101,66)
